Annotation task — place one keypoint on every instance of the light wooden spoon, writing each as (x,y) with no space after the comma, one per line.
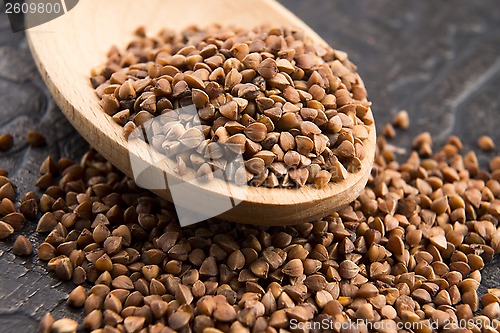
(66,48)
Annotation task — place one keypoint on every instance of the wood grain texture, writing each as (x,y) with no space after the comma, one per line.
(67,48)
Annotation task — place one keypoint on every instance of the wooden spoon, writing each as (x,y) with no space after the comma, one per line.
(66,49)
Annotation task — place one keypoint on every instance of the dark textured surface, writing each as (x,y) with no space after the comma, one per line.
(440,63)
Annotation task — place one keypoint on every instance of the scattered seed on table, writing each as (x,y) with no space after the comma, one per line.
(401,119)
(229,265)
(35,138)
(6,141)
(388,131)
(22,246)
(486,143)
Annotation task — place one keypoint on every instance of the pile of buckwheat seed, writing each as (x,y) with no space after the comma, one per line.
(408,250)
(295,111)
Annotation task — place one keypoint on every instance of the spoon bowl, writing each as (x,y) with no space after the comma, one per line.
(65,50)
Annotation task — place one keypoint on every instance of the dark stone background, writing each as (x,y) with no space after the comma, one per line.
(440,61)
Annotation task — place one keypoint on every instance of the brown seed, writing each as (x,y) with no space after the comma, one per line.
(128,128)
(256,132)
(343,97)
(29,208)
(348,269)
(113,244)
(7,206)
(126,90)
(209,267)
(388,131)
(134,324)
(388,312)
(345,150)
(294,268)
(46,323)
(200,98)
(322,178)
(365,312)
(268,68)
(284,65)
(123,282)
(252,60)
(194,81)
(334,124)
(337,169)
(77,297)
(183,294)
(100,233)
(142,117)
(150,271)
(267,156)
(304,144)
(159,308)
(255,165)
(291,95)
(64,325)
(63,268)
(16,220)
(273,259)
(367,290)
(7,191)
(111,318)
(485,143)
(109,103)
(6,141)
(494,163)
(104,263)
(236,260)
(401,119)
(224,311)
(46,251)
(315,282)
(22,246)
(260,268)
(492,310)
(288,121)
(229,110)
(439,240)
(5,230)
(180,318)
(395,245)
(46,223)
(309,114)
(470,298)
(35,138)
(305,61)
(442,298)
(93,320)
(274,114)
(299,176)
(292,158)
(232,78)
(309,128)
